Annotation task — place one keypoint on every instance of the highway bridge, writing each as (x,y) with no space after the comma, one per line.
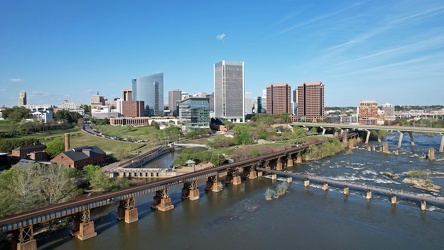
(400,129)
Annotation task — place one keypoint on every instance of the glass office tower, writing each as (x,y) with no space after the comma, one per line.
(150,90)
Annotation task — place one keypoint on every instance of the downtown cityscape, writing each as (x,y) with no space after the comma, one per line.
(191,125)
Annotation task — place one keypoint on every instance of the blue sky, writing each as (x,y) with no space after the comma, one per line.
(390,51)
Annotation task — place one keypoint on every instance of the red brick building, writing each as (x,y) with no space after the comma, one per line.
(368,112)
(279,98)
(31,152)
(133,108)
(80,157)
(310,101)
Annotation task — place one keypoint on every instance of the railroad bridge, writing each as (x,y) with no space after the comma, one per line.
(80,209)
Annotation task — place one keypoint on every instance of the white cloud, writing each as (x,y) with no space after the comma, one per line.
(221,36)
(16,80)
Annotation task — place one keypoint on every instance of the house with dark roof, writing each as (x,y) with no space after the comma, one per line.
(31,152)
(80,157)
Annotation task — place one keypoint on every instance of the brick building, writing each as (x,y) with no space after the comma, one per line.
(80,157)
(133,108)
(368,112)
(279,98)
(32,152)
(310,101)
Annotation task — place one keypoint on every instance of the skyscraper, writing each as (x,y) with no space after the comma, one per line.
(279,98)
(311,101)
(22,98)
(229,89)
(174,96)
(248,103)
(150,90)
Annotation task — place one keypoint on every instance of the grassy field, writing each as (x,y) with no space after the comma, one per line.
(107,145)
(80,138)
(139,133)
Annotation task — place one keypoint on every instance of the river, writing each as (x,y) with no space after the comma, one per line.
(304,218)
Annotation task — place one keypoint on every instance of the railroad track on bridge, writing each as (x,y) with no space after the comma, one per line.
(56,211)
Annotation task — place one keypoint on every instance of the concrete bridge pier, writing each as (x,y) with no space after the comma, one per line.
(367,138)
(423,205)
(306,183)
(325,186)
(279,164)
(24,239)
(412,142)
(290,161)
(299,158)
(323,130)
(345,139)
(83,226)
(162,201)
(190,191)
(400,139)
(213,184)
(441,146)
(393,199)
(237,180)
(346,190)
(252,174)
(127,210)
(368,196)
(431,154)
(289,179)
(385,148)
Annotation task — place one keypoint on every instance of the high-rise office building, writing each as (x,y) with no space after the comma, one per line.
(174,96)
(22,98)
(150,90)
(248,103)
(127,95)
(259,105)
(311,101)
(279,98)
(229,89)
(264,101)
(368,112)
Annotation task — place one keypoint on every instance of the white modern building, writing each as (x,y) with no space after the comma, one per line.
(229,91)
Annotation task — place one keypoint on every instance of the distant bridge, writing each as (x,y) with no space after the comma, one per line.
(325,181)
(400,129)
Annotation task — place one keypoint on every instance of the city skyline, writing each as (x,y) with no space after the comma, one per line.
(391,52)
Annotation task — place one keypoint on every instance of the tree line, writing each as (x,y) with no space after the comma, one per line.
(36,186)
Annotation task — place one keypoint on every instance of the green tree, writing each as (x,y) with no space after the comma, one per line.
(57,186)
(16,114)
(55,147)
(97,179)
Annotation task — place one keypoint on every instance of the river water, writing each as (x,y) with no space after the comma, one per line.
(304,218)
